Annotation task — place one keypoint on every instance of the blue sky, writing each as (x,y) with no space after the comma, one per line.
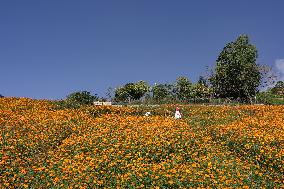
(51,48)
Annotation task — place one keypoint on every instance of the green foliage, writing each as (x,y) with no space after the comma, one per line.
(274,96)
(162,92)
(183,88)
(267,97)
(121,94)
(278,89)
(141,88)
(200,91)
(181,91)
(202,81)
(132,91)
(81,98)
(76,100)
(236,74)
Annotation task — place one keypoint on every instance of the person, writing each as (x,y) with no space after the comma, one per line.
(178,114)
(148,114)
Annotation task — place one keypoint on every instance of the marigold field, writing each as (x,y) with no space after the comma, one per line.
(43,146)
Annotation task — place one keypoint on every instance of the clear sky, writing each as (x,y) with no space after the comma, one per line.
(50,48)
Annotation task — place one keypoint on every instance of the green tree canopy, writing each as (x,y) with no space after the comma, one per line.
(121,94)
(200,91)
(236,74)
(202,81)
(278,88)
(132,91)
(162,92)
(182,88)
(81,98)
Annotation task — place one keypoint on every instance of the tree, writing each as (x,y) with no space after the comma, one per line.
(279,84)
(202,81)
(200,91)
(236,74)
(121,94)
(182,88)
(137,90)
(142,87)
(162,92)
(278,89)
(81,98)
(1,96)
(132,91)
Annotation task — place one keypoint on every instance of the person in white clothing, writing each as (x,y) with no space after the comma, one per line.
(148,114)
(178,114)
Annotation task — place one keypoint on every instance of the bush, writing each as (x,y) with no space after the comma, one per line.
(269,98)
(76,100)
(81,98)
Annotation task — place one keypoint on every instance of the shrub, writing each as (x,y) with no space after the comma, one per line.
(269,98)
(81,98)
(76,100)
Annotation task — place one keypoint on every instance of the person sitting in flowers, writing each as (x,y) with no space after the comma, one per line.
(178,114)
(148,114)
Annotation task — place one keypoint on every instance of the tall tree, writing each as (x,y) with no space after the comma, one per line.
(236,74)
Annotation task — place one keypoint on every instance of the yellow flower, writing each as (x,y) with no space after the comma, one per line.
(171,182)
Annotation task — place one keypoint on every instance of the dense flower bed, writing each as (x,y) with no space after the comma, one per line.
(258,136)
(119,147)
